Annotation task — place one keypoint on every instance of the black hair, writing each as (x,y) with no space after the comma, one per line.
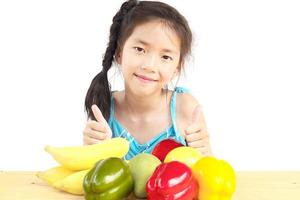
(131,14)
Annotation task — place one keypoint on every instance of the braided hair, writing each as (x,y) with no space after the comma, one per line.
(99,91)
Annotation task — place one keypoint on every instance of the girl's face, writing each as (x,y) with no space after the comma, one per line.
(149,58)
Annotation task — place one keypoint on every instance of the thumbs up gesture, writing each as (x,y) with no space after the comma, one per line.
(196,134)
(96,131)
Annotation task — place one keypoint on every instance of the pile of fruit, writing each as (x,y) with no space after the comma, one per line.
(171,172)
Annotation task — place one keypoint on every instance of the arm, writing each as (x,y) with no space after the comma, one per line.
(191,123)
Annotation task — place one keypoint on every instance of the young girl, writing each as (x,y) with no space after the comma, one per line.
(149,41)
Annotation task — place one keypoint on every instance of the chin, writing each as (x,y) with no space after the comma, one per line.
(140,91)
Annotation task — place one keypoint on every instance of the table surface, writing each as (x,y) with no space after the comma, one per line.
(282,185)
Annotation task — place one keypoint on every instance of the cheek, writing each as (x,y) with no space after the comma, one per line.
(168,72)
(130,62)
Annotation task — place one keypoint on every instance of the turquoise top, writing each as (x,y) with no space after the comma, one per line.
(135,147)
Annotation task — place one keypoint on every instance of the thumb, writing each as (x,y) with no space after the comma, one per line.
(97,113)
(196,114)
(194,121)
(99,117)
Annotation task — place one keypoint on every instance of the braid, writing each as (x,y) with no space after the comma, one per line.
(115,32)
(99,92)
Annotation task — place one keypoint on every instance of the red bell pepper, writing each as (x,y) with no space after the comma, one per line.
(172,181)
(164,147)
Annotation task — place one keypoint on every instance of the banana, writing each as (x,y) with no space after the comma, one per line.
(73,183)
(78,158)
(54,174)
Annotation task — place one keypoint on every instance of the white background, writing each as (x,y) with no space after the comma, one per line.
(244,71)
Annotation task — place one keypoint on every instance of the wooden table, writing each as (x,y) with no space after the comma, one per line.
(250,186)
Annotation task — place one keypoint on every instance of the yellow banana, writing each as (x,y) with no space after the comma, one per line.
(73,183)
(84,157)
(54,174)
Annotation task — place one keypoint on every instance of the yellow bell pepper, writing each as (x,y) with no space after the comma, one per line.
(216,179)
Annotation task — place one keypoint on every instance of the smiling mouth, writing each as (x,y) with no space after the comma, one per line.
(144,78)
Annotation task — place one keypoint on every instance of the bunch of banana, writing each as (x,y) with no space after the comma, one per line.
(76,161)
(84,157)
(54,174)
(64,179)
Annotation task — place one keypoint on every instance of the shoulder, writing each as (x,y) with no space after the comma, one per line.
(185,105)
(117,95)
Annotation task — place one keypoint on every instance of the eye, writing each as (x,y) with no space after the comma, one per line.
(139,49)
(167,57)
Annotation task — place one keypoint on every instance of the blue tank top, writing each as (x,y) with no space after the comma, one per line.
(135,147)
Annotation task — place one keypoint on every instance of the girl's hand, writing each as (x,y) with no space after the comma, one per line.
(96,131)
(196,133)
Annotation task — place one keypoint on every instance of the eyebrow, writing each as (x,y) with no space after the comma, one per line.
(147,44)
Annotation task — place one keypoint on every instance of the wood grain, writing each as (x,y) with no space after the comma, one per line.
(250,186)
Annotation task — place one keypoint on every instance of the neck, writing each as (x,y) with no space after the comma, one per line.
(143,106)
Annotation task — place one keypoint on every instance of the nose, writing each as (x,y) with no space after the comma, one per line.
(150,62)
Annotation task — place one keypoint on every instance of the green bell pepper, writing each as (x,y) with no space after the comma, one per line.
(110,179)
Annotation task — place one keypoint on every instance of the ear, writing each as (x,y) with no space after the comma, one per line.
(177,70)
(118,56)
